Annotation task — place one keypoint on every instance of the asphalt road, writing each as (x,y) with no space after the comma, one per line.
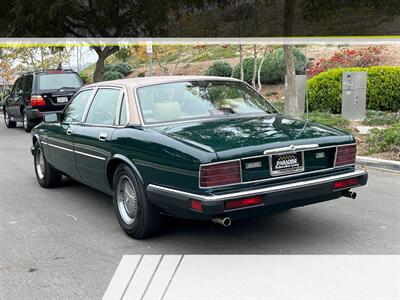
(65,243)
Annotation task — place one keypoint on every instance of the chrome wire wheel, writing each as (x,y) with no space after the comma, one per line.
(6,118)
(39,163)
(127,200)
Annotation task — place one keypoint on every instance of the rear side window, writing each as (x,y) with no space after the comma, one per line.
(75,110)
(27,84)
(104,106)
(58,81)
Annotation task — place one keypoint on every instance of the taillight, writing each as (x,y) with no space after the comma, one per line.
(232,204)
(37,100)
(346,155)
(345,183)
(220,174)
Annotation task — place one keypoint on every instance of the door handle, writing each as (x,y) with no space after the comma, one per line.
(69,131)
(102,136)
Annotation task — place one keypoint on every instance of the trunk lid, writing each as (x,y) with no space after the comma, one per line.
(232,138)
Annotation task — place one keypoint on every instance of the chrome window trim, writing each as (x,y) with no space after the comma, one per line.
(86,107)
(194,120)
(121,90)
(275,178)
(260,191)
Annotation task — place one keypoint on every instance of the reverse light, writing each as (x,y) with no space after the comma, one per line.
(218,174)
(346,155)
(345,183)
(37,101)
(232,204)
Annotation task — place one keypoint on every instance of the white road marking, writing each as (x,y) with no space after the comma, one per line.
(204,277)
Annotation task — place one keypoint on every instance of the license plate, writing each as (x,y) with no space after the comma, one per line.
(281,164)
(62,99)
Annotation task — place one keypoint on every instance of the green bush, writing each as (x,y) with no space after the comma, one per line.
(108,67)
(220,68)
(383,89)
(84,76)
(378,118)
(112,75)
(330,120)
(387,139)
(123,68)
(273,69)
(248,67)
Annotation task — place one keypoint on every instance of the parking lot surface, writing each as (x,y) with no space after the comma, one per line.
(66,242)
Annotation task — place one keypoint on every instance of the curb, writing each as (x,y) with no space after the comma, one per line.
(383,164)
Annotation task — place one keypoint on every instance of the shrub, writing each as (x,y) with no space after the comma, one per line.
(123,68)
(383,89)
(385,139)
(273,69)
(84,76)
(329,120)
(219,68)
(347,58)
(248,67)
(108,67)
(377,118)
(112,75)
(141,74)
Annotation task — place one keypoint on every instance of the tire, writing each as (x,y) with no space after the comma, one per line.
(26,122)
(7,121)
(46,175)
(136,215)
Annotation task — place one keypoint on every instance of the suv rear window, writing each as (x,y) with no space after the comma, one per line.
(58,81)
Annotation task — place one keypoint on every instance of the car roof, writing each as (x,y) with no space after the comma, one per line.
(142,81)
(131,83)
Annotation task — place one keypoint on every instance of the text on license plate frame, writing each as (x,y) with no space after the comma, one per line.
(286,170)
(62,99)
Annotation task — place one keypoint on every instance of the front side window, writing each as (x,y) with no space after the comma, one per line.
(59,81)
(17,88)
(193,100)
(75,110)
(104,106)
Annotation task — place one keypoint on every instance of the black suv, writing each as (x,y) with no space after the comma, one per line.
(36,93)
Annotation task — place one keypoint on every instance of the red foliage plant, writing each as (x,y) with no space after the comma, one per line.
(347,58)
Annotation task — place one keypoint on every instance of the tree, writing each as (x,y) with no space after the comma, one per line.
(241,62)
(94,18)
(253,79)
(291,81)
(293,101)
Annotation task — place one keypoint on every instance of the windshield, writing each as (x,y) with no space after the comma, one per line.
(177,101)
(58,81)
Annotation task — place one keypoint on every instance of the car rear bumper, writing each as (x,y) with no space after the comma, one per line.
(273,197)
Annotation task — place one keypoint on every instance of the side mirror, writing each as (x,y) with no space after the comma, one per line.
(53,117)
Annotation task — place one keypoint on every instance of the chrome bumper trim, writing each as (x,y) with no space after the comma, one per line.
(288,186)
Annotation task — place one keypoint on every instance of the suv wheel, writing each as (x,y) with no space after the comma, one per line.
(7,121)
(46,175)
(136,215)
(26,122)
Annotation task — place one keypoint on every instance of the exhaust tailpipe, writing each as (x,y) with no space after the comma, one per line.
(225,221)
(349,194)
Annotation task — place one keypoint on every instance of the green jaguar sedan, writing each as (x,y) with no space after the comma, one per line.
(195,147)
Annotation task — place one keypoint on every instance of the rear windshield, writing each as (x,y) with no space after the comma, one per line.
(58,81)
(178,101)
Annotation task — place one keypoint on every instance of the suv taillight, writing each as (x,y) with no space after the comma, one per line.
(345,155)
(218,174)
(37,100)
